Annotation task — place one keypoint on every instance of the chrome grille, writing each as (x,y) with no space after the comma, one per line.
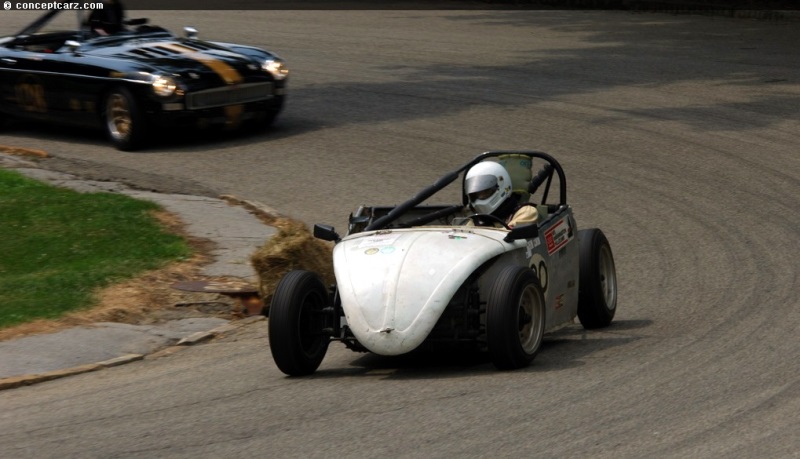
(229,95)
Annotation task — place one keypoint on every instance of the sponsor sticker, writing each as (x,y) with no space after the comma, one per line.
(378,240)
(532,244)
(557,236)
(455,235)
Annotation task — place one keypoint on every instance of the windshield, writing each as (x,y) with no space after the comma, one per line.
(55,21)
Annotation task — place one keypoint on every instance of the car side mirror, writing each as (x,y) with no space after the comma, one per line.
(529,231)
(190,32)
(72,46)
(326,233)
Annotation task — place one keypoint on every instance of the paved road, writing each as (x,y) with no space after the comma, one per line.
(679,136)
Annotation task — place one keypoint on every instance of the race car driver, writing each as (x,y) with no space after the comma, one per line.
(107,20)
(488,187)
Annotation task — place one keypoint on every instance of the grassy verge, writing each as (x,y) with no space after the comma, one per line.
(57,246)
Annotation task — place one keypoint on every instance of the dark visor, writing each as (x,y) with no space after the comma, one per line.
(480,183)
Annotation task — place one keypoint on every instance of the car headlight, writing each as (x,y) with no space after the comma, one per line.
(276,68)
(164,86)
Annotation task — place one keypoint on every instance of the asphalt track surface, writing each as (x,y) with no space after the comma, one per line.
(679,136)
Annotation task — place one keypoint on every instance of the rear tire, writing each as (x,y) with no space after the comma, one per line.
(297,323)
(123,120)
(597,298)
(515,318)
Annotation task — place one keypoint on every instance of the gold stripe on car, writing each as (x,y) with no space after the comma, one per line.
(225,71)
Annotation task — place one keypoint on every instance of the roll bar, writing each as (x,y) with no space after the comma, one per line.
(546,174)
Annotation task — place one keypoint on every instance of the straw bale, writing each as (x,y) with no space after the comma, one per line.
(292,247)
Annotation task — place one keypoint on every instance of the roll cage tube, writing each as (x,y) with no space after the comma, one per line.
(424,194)
(545,174)
(39,23)
(450,177)
(43,20)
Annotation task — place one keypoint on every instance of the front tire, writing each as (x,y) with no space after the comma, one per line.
(272,113)
(297,323)
(515,318)
(264,120)
(123,120)
(597,297)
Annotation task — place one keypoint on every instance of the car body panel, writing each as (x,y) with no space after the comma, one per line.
(395,284)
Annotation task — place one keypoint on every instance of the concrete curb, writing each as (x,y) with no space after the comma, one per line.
(229,256)
(195,338)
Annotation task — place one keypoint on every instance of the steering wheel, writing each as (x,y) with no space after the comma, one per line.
(481,219)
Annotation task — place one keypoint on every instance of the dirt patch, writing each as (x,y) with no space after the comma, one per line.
(20,151)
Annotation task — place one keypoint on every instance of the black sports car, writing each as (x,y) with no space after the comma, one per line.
(135,79)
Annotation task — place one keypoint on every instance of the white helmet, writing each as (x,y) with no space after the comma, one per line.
(487,185)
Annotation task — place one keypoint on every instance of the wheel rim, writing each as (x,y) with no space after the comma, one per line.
(118,117)
(310,325)
(608,278)
(531,325)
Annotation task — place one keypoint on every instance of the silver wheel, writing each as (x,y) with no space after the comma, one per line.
(118,117)
(597,293)
(515,318)
(124,121)
(531,324)
(608,277)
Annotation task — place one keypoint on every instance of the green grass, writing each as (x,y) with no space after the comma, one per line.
(58,246)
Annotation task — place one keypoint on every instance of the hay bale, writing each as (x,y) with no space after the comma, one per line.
(293,247)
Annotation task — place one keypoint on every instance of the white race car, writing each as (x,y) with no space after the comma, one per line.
(412,275)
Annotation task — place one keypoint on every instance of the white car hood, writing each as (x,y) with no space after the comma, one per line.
(395,284)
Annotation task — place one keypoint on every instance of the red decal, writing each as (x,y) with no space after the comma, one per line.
(557,236)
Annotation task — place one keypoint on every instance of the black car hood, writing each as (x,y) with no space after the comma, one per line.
(193,60)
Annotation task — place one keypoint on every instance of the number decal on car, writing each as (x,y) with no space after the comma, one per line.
(30,94)
(539,267)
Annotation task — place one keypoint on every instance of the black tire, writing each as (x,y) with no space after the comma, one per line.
(272,113)
(123,120)
(515,318)
(296,323)
(266,118)
(597,298)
